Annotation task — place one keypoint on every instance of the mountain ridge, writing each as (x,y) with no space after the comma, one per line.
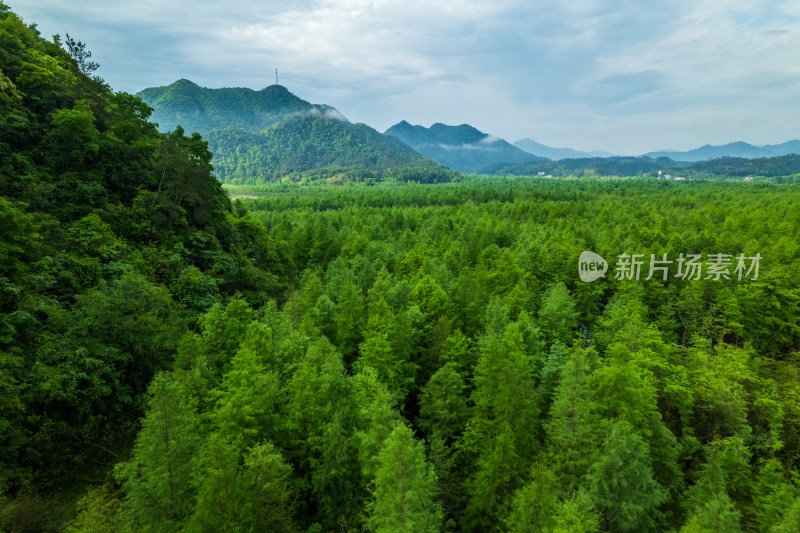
(266,135)
(542,150)
(738,149)
(201,109)
(463,147)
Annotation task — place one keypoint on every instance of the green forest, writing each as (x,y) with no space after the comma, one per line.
(383,353)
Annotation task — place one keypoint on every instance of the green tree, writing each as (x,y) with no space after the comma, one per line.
(558,318)
(250,397)
(621,482)
(404,490)
(157,480)
(349,319)
(790,521)
(535,505)
(572,430)
(443,407)
(376,351)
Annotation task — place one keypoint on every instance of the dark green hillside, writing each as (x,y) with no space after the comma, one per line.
(263,136)
(196,108)
(462,148)
(114,238)
(315,146)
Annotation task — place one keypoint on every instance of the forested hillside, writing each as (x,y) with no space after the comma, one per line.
(114,238)
(315,146)
(379,356)
(272,135)
(199,109)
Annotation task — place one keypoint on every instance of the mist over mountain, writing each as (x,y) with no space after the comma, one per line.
(541,150)
(200,109)
(736,149)
(462,148)
(315,144)
(266,135)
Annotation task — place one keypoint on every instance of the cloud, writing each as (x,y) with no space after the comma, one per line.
(327,113)
(589,74)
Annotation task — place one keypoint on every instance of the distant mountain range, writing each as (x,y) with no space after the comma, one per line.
(462,148)
(736,149)
(264,135)
(268,134)
(541,150)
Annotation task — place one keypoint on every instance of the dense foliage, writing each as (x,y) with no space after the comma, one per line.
(195,108)
(438,366)
(786,167)
(316,146)
(396,357)
(113,239)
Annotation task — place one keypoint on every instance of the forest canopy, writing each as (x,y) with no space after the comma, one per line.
(377,356)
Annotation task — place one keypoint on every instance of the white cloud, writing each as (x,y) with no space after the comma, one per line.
(590,74)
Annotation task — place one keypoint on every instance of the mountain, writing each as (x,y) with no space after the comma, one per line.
(461,147)
(265,135)
(199,109)
(736,149)
(541,150)
(317,145)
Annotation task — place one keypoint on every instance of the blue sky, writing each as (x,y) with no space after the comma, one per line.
(621,76)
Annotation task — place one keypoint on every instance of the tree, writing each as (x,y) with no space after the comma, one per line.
(576,515)
(267,482)
(77,50)
(73,139)
(621,482)
(711,507)
(157,478)
(404,489)
(376,352)
(443,407)
(223,331)
(348,319)
(242,489)
(535,504)
(250,397)
(558,318)
(100,510)
(772,495)
(572,430)
(791,520)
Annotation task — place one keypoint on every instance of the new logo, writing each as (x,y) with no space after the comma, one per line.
(591,266)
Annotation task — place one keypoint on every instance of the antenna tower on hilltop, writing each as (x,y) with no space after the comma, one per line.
(276,76)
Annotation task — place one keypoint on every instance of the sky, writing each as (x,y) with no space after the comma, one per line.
(624,76)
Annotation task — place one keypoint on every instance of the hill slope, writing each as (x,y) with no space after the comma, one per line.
(199,109)
(265,135)
(461,147)
(318,146)
(114,238)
